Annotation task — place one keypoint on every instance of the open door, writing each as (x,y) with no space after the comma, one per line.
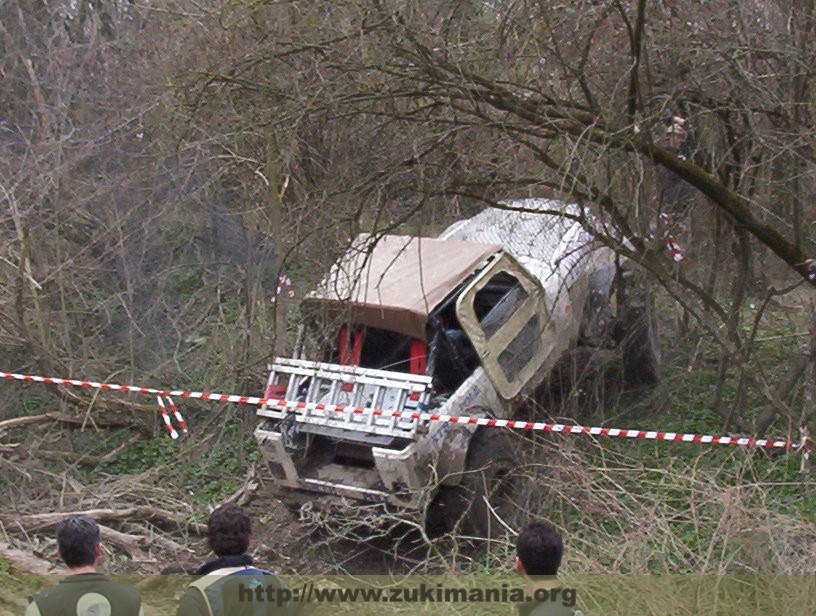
(503,313)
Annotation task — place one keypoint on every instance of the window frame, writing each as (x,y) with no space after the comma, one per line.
(489,349)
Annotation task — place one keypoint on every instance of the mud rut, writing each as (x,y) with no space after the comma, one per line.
(287,545)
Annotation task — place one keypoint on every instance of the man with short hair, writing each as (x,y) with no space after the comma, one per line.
(231,585)
(84,592)
(539,549)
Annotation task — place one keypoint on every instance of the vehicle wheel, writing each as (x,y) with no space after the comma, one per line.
(494,484)
(445,511)
(635,331)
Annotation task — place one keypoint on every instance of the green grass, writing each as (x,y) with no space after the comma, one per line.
(204,474)
(640,506)
(142,456)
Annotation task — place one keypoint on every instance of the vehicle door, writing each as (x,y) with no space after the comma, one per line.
(504,314)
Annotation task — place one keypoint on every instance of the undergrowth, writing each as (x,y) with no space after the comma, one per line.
(202,467)
(626,506)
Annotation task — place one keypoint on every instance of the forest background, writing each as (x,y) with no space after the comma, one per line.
(163,162)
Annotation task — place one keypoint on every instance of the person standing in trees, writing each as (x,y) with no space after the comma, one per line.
(675,196)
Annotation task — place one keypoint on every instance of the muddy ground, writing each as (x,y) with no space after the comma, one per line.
(285,541)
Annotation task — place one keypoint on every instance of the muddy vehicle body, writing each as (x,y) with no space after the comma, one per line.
(466,324)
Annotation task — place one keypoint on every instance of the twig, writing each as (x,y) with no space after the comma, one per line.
(21,421)
(132,544)
(243,495)
(496,515)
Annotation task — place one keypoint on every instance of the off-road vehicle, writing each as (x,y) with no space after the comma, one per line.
(467,324)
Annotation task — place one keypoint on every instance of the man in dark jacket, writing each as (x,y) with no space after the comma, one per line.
(231,585)
(539,549)
(675,195)
(84,592)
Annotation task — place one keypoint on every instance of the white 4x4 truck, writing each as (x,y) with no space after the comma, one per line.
(466,324)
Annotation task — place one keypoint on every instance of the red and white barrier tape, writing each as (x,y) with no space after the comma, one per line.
(284,284)
(417,415)
(673,248)
(177,414)
(166,417)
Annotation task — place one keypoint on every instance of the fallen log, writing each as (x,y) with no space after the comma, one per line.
(105,422)
(21,421)
(131,544)
(24,562)
(244,495)
(43,521)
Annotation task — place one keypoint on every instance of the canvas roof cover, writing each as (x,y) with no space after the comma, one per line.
(396,282)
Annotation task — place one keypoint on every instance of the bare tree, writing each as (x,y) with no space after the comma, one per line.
(412,109)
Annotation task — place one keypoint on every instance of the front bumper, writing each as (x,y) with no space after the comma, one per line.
(399,477)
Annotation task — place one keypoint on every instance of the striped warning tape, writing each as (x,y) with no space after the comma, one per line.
(294,405)
(166,417)
(284,284)
(177,415)
(673,248)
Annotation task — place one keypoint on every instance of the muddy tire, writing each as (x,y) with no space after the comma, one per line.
(444,513)
(635,331)
(491,481)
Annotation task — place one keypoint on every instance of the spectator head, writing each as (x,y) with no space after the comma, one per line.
(539,549)
(78,541)
(676,132)
(228,531)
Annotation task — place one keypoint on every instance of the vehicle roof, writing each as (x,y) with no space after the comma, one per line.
(541,234)
(395,282)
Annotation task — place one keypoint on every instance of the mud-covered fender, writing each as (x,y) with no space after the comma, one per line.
(452,458)
(446,443)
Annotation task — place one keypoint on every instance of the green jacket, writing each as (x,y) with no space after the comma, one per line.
(235,591)
(86,594)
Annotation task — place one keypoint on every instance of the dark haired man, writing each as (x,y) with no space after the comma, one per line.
(539,549)
(231,585)
(84,592)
